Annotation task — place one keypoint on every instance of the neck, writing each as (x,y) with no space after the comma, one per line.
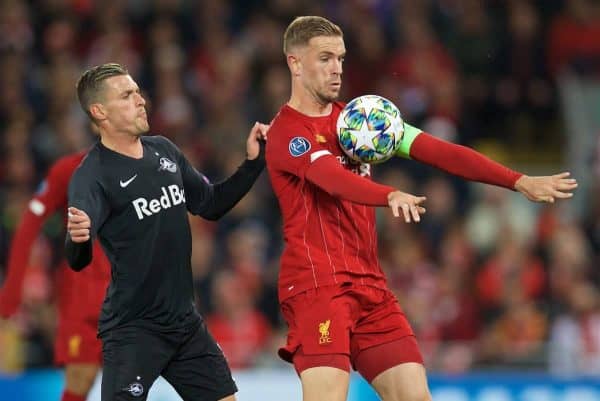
(127,145)
(308,104)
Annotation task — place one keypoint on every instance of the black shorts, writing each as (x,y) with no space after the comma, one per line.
(190,361)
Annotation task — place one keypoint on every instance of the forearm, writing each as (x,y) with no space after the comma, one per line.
(18,260)
(228,193)
(340,183)
(78,254)
(462,161)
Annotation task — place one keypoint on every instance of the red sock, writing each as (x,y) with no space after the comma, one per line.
(68,396)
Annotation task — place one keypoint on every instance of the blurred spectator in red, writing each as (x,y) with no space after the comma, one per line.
(573,39)
(369,56)
(570,263)
(512,267)
(421,75)
(16,32)
(575,335)
(518,334)
(238,326)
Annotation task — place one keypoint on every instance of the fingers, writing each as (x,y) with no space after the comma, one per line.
(259,131)
(411,212)
(263,129)
(562,195)
(406,212)
(79,235)
(78,225)
(562,175)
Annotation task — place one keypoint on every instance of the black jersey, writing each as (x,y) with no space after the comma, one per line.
(139,211)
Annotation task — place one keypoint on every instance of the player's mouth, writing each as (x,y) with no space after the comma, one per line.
(335,85)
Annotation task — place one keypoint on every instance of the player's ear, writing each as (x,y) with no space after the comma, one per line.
(98,111)
(294,64)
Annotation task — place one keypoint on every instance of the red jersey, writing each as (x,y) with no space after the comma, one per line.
(80,294)
(328,240)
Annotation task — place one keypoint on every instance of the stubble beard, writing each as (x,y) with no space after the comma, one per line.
(325,99)
(142,128)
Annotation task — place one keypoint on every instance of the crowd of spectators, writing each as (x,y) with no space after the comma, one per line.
(487,279)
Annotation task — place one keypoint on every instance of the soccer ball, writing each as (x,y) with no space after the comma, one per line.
(370,129)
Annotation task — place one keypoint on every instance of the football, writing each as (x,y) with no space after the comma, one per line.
(370,129)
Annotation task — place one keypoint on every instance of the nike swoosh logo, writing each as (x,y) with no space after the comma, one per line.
(125,183)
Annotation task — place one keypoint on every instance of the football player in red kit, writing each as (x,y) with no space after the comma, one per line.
(79,295)
(333,293)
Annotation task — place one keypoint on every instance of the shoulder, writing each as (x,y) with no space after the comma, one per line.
(158,140)
(85,165)
(161,143)
(286,125)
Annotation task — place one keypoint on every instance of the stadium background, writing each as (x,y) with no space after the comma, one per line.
(490,282)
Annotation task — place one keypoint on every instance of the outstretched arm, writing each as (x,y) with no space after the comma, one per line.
(473,166)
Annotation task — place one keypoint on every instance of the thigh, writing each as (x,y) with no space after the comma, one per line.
(324,384)
(381,321)
(404,382)
(373,361)
(133,360)
(199,370)
(76,342)
(319,323)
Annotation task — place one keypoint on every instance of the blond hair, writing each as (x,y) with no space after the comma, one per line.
(302,29)
(89,85)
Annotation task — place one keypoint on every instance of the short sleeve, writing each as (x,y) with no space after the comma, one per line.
(85,193)
(293,150)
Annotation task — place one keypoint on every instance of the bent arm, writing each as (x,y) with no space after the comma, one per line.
(212,201)
(228,193)
(327,174)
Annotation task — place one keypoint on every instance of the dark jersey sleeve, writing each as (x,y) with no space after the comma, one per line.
(86,194)
(212,201)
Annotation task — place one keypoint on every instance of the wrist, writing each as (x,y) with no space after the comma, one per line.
(520,183)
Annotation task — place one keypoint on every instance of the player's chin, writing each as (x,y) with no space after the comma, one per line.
(331,96)
(142,128)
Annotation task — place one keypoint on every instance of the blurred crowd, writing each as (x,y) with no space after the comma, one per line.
(487,279)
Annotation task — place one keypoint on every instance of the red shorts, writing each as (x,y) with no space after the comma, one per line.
(336,325)
(76,342)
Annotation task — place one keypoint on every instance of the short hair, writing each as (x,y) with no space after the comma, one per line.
(302,29)
(90,83)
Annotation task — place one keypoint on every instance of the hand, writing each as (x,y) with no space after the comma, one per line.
(546,188)
(257,133)
(78,225)
(409,204)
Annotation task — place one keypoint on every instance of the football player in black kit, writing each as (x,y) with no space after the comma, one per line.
(134,193)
